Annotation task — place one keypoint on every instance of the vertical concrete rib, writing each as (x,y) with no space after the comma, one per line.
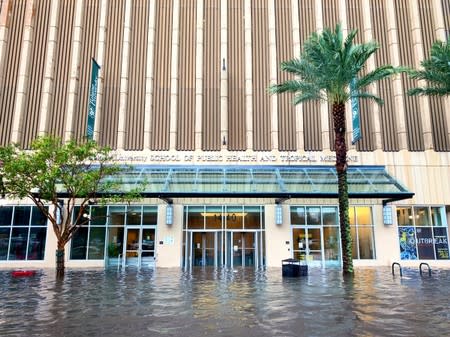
(174,75)
(48,82)
(213,116)
(387,112)
(437,116)
(124,76)
(30,122)
(273,66)
(101,60)
(248,66)
(297,112)
(72,94)
(89,42)
(199,45)
(224,74)
(397,81)
(149,77)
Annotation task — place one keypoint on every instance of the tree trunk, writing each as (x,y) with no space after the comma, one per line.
(341,169)
(60,266)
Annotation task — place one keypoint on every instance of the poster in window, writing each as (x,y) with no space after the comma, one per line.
(441,243)
(425,246)
(407,241)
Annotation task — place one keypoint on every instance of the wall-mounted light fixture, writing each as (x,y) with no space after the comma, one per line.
(387,215)
(169,214)
(278,214)
(224,67)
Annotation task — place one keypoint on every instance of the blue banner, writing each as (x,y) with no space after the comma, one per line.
(92,100)
(356,135)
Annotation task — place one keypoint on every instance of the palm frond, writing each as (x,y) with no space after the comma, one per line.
(370,96)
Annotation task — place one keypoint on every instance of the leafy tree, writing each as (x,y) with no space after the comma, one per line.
(327,65)
(61,175)
(436,72)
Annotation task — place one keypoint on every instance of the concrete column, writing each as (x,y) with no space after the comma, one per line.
(49,66)
(100,60)
(224,73)
(417,46)
(74,69)
(248,71)
(441,35)
(3,32)
(174,74)
(368,36)
(23,76)
(323,105)
(199,75)
(396,83)
(124,75)
(297,49)
(149,76)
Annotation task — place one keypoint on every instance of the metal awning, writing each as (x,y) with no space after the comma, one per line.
(282,182)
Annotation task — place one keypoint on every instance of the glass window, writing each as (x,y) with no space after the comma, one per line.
(36,245)
(18,246)
(313,215)
(331,243)
(5,215)
(213,217)
(150,215)
(195,217)
(96,249)
(21,216)
(252,217)
(37,217)
(134,214)
(234,217)
(361,227)
(298,215)
(79,244)
(116,215)
(4,242)
(25,237)
(421,216)
(426,237)
(330,216)
(115,241)
(404,216)
(98,215)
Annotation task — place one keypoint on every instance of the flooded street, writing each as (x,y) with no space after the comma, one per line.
(242,302)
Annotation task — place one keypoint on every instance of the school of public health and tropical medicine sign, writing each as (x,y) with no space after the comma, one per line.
(92,105)
(161,157)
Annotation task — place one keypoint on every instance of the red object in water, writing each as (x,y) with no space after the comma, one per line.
(20,273)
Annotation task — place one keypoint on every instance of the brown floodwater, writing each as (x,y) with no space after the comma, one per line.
(241,302)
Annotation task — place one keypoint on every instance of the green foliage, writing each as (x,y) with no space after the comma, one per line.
(327,65)
(63,174)
(436,71)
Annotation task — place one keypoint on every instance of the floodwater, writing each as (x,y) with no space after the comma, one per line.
(242,302)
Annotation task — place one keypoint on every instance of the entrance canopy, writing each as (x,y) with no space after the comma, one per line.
(281,182)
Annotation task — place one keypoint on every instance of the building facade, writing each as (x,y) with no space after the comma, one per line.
(238,177)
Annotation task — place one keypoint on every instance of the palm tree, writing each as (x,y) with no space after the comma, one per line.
(436,71)
(324,71)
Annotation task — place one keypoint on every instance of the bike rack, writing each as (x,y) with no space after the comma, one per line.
(426,264)
(399,266)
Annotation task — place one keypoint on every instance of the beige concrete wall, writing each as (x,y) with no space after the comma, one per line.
(168,254)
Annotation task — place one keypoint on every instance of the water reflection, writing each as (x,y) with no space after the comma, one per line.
(208,302)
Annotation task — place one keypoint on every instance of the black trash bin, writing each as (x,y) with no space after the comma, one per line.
(293,268)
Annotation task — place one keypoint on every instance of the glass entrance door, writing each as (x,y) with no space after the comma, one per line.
(140,247)
(308,244)
(243,249)
(204,248)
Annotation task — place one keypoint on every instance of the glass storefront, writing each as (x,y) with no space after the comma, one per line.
(120,234)
(422,233)
(23,233)
(223,236)
(316,234)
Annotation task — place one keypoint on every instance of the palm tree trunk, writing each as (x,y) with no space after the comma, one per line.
(341,169)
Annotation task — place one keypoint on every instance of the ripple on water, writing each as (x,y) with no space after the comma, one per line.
(223,302)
